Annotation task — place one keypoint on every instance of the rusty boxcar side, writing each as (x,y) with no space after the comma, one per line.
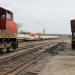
(73,33)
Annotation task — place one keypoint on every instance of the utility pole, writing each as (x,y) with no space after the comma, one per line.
(44,31)
(18,27)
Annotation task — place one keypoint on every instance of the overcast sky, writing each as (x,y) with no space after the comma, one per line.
(35,15)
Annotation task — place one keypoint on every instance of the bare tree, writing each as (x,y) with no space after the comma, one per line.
(19,25)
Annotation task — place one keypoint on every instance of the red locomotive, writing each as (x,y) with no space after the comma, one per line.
(8,30)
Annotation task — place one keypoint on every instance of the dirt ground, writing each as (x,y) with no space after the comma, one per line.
(61,64)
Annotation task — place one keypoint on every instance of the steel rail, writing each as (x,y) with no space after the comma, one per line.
(29,50)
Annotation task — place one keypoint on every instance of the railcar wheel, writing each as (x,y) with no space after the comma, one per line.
(8,50)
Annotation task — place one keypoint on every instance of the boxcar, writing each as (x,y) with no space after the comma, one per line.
(73,33)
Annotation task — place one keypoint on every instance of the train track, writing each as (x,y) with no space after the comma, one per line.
(12,66)
(22,52)
(32,44)
(25,46)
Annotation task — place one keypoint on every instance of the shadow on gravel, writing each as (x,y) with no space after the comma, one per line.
(55,50)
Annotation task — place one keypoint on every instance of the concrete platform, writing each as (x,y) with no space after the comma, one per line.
(61,64)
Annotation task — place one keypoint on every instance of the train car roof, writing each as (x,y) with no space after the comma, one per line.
(5,10)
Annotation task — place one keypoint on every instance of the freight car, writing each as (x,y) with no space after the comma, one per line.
(35,37)
(8,31)
(73,33)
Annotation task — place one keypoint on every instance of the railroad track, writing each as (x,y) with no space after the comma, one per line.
(29,46)
(24,47)
(22,52)
(14,66)
(32,44)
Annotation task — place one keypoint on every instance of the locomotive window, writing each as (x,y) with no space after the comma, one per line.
(2,17)
(74,34)
(9,16)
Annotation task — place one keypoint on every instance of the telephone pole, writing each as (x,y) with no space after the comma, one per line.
(44,31)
